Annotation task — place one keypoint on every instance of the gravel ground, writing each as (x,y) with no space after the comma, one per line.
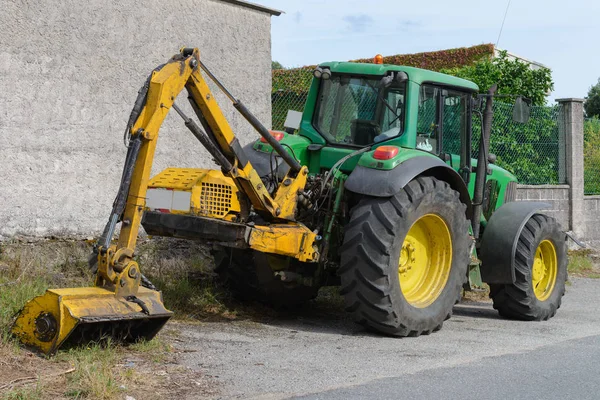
(320,350)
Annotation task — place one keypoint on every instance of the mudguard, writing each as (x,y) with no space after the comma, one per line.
(262,162)
(386,183)
(499,241)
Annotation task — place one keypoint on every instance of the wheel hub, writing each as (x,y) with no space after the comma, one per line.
(407,258)
(425,260)
(544,270)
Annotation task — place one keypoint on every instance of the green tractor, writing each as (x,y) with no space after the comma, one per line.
(407,217)
(377,192)
(391,207)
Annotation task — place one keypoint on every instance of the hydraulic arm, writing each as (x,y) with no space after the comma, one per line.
(117,306)
(166,82)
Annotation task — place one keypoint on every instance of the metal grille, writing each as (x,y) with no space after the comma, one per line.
(511,192)
(215,199)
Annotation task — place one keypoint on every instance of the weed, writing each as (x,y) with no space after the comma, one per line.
(156,349)
(95,374)
(24,393)
(193,298)
(28,269)
(580,263)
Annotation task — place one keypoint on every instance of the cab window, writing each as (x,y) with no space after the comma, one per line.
(443,119)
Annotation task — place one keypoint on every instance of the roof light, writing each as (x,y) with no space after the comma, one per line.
(322,73)
(385,152)
(278,135)
(378,59)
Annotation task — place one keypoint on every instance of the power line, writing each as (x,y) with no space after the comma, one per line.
(503,19)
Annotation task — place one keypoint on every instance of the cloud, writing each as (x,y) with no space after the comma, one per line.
(358,23)
(407,24)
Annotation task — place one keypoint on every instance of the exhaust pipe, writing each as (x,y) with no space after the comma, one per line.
(482,161)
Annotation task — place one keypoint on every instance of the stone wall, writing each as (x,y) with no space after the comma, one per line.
(556,196)
(69,74)
(591,205)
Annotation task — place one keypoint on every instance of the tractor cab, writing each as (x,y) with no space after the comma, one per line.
(353,105)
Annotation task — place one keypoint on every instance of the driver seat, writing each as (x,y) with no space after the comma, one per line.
(363,131)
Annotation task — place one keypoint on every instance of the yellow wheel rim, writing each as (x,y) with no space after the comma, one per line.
(425,260)
(544,270)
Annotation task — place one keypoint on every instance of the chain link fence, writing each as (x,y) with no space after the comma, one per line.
(591,156)
(530,151)
(289,92)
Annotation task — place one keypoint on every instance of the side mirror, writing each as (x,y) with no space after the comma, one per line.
(292,121)
(521,110)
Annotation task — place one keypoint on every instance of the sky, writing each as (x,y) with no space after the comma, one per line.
(562,35)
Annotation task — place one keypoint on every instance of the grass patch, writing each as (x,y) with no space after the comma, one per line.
(26,393)
(12,299)
(581,263)
(26,271)
(156,349)
(96,375)
(183,272)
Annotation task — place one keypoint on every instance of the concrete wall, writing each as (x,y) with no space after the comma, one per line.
(69,73)
(557,196)
(561,209)
(591,206)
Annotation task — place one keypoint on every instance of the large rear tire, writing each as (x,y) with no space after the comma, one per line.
(249,275)
(540,273)
(405,258)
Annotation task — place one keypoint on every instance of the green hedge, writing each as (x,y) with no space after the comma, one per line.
(591,156)
(438,60)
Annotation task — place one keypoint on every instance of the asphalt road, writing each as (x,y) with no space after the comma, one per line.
(319,354)
(567,370)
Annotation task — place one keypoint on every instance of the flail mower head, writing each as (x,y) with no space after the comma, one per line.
(67,317)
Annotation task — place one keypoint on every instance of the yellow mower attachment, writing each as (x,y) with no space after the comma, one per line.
(75,316)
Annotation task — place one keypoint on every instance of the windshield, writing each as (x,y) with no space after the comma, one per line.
(358,110)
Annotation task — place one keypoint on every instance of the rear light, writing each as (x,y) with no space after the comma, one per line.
(276,134)
(385,152)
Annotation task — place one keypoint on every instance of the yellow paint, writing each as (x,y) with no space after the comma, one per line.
(293,240)
(544,270)
(287,194)
(425,260)
(213,194)
(72,308)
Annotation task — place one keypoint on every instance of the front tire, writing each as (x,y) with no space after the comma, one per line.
(405,258)
(540,273)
